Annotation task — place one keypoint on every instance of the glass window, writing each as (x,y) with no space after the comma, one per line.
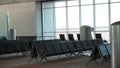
(48,22)
(73,17)
(48,19)
(47,5)
(60,15)
(83,2)
(115,0)
(73,21)
(101,1)
(102,15)
(60,4)
(87,15)
(115,12)
(102,23)
(73,2)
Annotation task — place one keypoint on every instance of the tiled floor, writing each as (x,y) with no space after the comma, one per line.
(13,61)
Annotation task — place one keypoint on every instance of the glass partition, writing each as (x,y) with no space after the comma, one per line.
(4,25)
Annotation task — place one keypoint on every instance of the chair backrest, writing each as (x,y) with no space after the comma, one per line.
(95,42)
(64,47)
(85,45)
(41,49)
(13,46)
(78,36)
(98,36)
(108,46)
(58,48)
(90,43)
(103,50)
(100,41)
(71,46)
(50,49)
(78,45)
(62,37)
(71,37)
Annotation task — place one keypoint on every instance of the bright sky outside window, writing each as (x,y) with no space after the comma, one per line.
(48,20)
(102,15)
(73,17)
(87,15)
(115,0)
(84,2)
(60,4)
(115,12)
(60,14)
(73,3)
(101,1)
(48,5)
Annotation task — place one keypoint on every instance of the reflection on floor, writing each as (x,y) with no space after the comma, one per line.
(19,61)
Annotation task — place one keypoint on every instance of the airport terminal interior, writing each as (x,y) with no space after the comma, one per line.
(59,33)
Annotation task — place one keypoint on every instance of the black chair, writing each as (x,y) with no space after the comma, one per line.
(108,46)
(71,37)
(100,41)
(65,48)
(58,48)
(95,42)
(78,36)
(71,47)
(50,49)
(41,51)
(62,37)
(90,43)
(78,47)
(13,46)
(94,55)
(98,36)
(85,45)
(104,53)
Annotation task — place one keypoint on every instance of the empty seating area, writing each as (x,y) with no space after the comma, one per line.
(13,46)
(41,50)
(59,33)
(46,48)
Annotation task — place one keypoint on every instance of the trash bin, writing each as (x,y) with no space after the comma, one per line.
(115,39)
(85,33)
(13,34)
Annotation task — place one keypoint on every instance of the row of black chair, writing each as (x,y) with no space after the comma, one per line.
(101,51)
(44,49)
(28,38)
(13,46)
(71,37)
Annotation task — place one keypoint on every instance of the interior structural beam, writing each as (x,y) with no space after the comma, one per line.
(3,2)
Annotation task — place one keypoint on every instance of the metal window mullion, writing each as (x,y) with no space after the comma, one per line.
(80,15)
(67,24)
(109,15)
(54,21)
(94,17)
(42,27)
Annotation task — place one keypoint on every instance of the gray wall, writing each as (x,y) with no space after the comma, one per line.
(22,17)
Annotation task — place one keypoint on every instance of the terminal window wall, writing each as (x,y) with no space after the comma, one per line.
(69,16)
(73,21)
(48,20)
(102,20)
